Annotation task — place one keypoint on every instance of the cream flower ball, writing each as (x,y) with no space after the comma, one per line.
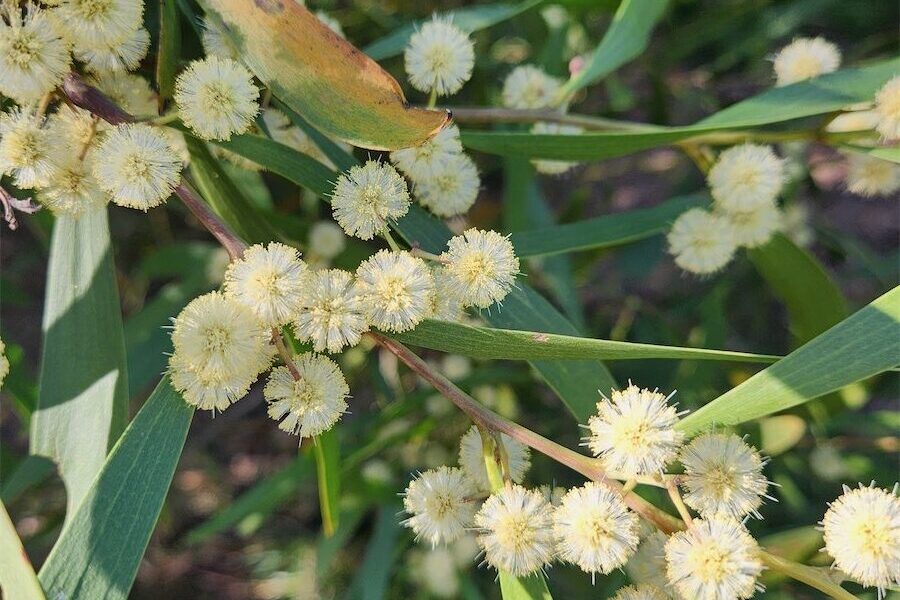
(648,564)
(641,592)
(97,24)
(869,176)
(137,166)
(331,314)
(216,98)
(714,559)
(397,290)
(4,363)
(116,56)
(269,280)
(440,504)
(439,57)
(805,58)
(483,265)
(862,534)
(554,167)
(471,459)
(33,57)
(887,107)
(71,188)
(516,530)
(366,198)
(326,240)
(419,162)
(451,187)
(529,87)
(633,432)
(26,149)
(754,228)
(745,177)
(311,404)
(216,42)
(701,242)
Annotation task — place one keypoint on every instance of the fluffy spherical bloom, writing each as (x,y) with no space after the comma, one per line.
(326,240)
(397,290)
(131,92)
(216,98)
(641,592)
(857,120)
(805,58)
(887,106)
(74,127)
(137,166)
(722,474)
(71,188)
(366,197)
(26,149)
(439,57)
(451,187)
(220,348)
(528,86)
(33,58)
(471,458)
(869,176)
(554,167)
(269,280)
(714,559)
(755,227)
(93,24)
(745,177)
(701,242)
(216,41)
(795,224)
(634,433)
(331,311)
(447,304)
(516,530)
(4,363)
(440,505)
(311,404)
(648,564)
(419,161)
(594,529)
(118,55)
(483,265)
(862,534)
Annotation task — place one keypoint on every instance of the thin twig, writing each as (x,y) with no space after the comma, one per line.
(474,114)
(222,232)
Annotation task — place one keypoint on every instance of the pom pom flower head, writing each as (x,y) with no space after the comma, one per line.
(483,265)
(887,107)
(594,529)
(116,55)
(33,58)
(516,530)
(220,348)
(71,188)
(366,198)
(869,176)
(331,311)
(269,280)
(326,240)
(471,458)
(714,559)
(93,24)
(439,57)
(26,151)
(722,474)
(745,177)
(554,167)
(862,534)
(805,58)
(451,188)
(440,505)
(397,290)
(529,87)
(216,98)
(648,564)
(634,433)
(755,227)
(420,161)
(641,592)
(137,166)
(311,403)
(701,242)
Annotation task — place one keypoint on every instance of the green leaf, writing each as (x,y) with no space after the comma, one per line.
(327,449)
(607,231)
(223,195)
(818,96)
(83,396)
(891,154)
(371,581)
(17,578)
(99,550)
(488,343)
(532,587)
(469,19)
(627,36)
(341,92)
(257,502)
(342,159)
(814,302)
(169,48)
(862,345)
